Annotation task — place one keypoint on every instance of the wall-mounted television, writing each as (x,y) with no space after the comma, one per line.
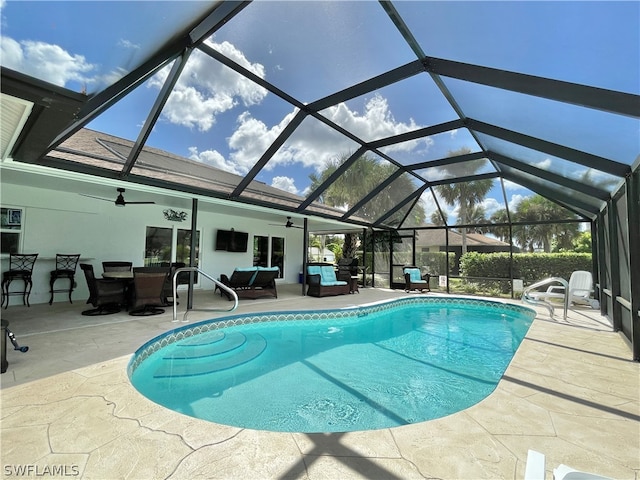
(231,241)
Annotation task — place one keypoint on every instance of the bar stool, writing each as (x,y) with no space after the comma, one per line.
(20,268)
(65,268)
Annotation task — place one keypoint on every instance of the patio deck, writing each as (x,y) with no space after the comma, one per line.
(571,392)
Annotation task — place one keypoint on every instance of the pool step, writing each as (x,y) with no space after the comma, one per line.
(199,350)
(177,367)
(202,339)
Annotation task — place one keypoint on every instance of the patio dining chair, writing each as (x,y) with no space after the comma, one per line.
(117,266)
(107,296)
(148,292)
(167,291)
(65,268)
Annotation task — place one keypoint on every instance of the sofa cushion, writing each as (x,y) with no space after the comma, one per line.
(313,270)
(268,269)
(334,283)
(248,269)
(327,275)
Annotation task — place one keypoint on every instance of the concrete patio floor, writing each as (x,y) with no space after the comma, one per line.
(68,409)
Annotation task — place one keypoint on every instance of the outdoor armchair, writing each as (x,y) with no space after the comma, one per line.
(415,280)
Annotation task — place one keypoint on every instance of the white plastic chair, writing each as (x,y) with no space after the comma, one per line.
(535,470)
(580,290)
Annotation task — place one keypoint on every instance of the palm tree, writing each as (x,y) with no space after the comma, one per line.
(477,217)
(363,176)
(465,194)
(538,214)
(501,231)
(437,219)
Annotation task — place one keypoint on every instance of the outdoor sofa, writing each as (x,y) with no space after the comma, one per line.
(252,282)
(322,281)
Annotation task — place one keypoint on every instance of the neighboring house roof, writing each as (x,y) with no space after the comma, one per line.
(326,254)
(437,237)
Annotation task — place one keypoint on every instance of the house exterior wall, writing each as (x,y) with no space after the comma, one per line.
(65,222)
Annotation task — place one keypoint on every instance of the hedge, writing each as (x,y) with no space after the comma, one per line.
(531,267)
(435,262)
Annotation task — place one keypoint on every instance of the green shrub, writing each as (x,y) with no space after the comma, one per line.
(435,262)
(531,267)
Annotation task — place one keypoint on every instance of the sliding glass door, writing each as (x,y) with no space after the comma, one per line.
(169,245)
(269,252)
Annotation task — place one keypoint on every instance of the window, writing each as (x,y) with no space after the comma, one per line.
(10,229)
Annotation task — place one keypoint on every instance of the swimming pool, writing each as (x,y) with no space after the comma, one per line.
(368,367)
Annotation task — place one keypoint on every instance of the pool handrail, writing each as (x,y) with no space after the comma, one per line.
(218,283)
(539,301)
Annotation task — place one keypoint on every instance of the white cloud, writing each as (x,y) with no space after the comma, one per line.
(377,121)
(252,137)
(491,206)
(544,164)
(207,88)
(314,144)
(514,201)
(128,44)
(214,159)
(46,61)
(284,183)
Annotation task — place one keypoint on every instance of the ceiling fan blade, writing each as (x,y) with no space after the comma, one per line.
(119,201)
(97,198)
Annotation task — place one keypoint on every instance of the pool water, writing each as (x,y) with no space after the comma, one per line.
(336,371)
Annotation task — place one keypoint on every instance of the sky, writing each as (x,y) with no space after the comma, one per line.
(311,49)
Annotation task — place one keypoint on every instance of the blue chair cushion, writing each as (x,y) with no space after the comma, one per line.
(414,275)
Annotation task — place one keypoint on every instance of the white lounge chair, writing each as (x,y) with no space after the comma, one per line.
(535,470)
(580,290)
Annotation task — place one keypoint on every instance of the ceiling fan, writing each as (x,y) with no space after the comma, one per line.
(289,224)
(119,201)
